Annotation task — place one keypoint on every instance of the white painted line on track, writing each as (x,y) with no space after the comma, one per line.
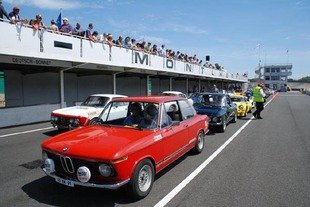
(25,132)
(189,178)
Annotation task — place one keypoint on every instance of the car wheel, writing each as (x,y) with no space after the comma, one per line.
(223,126)
(199,144)
(142,180)
(234,119)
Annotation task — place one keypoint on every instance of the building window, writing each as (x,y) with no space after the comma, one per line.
(275,78)
(267,78)
(283,78)
(277,70)
(267,70)
(272,70)
(267,85)
(283,70)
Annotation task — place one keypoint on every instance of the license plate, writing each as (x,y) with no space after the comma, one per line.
(65,182)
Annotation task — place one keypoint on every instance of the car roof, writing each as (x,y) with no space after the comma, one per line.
(151,99)
(207,93)
(108,95)
(173,92)
(236,95)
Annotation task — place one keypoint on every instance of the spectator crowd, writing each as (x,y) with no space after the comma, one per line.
(128,42)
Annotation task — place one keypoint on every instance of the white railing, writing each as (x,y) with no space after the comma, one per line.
(33,44)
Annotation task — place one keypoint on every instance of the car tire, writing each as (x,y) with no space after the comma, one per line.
(224,124)
(200,143)
(142,180)
(234,119)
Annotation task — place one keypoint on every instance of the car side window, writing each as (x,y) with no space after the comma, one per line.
(165,119)
(227,101)
(187,110)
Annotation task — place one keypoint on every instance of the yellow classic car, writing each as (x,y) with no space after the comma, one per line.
(242,104)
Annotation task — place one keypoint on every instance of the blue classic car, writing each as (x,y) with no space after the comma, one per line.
(218,107)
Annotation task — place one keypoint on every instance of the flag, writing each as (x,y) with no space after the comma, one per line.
(58,22)
(286,51)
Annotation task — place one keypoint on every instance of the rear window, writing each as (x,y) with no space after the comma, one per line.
(186,109)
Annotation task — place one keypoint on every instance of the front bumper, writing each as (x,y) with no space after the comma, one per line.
(92,185)
(241,112)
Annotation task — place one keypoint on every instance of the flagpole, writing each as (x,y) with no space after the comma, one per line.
(287,57)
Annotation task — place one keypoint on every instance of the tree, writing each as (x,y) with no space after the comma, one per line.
(305,79)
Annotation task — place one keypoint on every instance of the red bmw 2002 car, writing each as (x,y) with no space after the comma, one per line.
(114,151)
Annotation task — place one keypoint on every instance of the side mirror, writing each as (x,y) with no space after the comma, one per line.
(94,121)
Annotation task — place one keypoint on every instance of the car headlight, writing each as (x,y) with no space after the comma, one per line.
(74,121)
(240,107)
(83,174)
(54,118)
(44,156)
(105,170)
(215,119)
(49,165)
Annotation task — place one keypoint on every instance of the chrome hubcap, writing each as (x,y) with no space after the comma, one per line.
(145,178)
(200,141)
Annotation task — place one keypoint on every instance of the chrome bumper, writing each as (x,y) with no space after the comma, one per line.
(92,185)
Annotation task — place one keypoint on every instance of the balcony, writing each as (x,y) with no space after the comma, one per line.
(23,45)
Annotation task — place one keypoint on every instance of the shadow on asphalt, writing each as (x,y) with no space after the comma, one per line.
(52,133)
(45,190)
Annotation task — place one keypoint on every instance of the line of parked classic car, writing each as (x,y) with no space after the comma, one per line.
(124,141)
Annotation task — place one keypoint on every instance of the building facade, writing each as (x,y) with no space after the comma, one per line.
(276,76)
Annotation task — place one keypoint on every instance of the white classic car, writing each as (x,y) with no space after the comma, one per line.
(177,93)
(76,116)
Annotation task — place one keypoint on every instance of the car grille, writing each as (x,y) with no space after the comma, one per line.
(63,121)
(66,167)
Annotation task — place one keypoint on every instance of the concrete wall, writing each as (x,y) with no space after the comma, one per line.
(92,84)
(131,86)
(30,89)
(26,115)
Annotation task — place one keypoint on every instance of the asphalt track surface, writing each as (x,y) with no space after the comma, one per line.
(266,163)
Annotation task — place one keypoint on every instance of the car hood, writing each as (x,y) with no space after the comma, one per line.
(239,103)
(210,111)
(99,142)
(82,111)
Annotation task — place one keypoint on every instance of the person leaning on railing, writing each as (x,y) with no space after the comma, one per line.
(3,12)
(37,23)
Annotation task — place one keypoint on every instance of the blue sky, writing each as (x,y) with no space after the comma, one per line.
(227,30)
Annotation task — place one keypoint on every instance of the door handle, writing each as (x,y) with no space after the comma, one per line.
(185,126)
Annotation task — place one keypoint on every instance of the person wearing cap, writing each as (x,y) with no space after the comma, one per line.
(53,26)
(66,27)
(3,12)
(14,15)
(259,99)
(37,23)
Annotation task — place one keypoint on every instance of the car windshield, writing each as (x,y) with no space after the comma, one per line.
(96,101)
(212,100)
(237,99)
(174,94)
(140,115)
